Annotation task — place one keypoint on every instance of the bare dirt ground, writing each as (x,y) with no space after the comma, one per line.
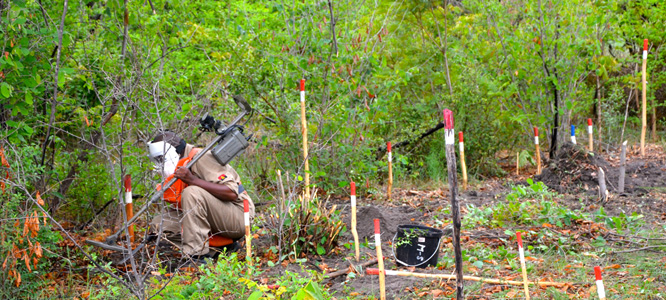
(573,174)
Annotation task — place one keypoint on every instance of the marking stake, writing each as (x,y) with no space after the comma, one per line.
(589,133)
(129,209)
(538,152)
(461,144)
(304,132)
(353,219)
(380,261)
(390,170)
(600,283)
(455,205)
(248,236)
(521,252)
(644,94)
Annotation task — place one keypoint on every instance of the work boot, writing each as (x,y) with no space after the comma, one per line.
(198,261)
(233,247)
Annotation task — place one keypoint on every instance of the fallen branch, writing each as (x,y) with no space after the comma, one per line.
(350,269)
(638,237)
(382,150)
(638,249)
(373,271)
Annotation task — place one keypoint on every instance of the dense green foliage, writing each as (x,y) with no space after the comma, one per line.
(84,84)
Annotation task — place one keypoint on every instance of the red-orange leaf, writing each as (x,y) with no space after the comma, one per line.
(40,201)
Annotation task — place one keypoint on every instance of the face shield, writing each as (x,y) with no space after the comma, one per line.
(164,157)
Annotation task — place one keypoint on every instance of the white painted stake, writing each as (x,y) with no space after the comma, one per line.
(573,134)
(461,143)
(380,261)
(589,133)
(304,132)
(390,170)
(600,283)
(538,152)
(248,236)
(129,209)
(353,219)
(521,253)
(644,96)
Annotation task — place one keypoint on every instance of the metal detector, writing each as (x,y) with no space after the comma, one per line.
(229,143)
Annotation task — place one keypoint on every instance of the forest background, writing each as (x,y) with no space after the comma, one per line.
(85,84)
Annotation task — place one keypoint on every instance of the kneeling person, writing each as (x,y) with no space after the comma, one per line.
(206,201)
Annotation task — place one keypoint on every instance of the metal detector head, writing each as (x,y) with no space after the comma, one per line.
(242,103)
(246,109)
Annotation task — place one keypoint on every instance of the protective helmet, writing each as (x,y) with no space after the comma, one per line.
(165,151)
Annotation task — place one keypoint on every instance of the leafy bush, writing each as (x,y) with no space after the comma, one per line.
(531,205)
(307,227)
(229,277)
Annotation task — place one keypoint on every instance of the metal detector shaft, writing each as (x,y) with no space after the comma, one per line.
(240,101)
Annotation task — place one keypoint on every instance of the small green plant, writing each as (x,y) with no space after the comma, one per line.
(621,222)
(409,236)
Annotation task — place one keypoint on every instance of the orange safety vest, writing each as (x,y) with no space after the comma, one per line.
(173,193)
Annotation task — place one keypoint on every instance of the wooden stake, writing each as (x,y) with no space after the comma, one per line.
(390,170)
(623,165)
(129,209)
(380,261)
(517,163)
(353,219)
(603,194)
(281,187)
(248,235)
(449,134)
(352,269)
(538,152)
(589,134)
(304,132)
(373,271)
(573,134)
(461,143)
(600,283)
(521,253)
(644,94)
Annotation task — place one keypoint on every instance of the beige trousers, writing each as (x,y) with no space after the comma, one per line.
(202,214)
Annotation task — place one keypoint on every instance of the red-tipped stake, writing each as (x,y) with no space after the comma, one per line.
(304,132)
(461,144)
(380,261)
(600,283)
(248,235)
(521,253)
(353,219)
(390,171)
(449,135)
(589,134)
(129,209)
(538,152)
(644,94)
